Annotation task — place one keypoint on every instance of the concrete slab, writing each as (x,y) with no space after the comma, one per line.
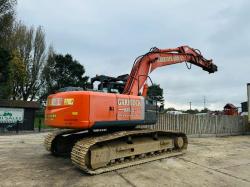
(223,161)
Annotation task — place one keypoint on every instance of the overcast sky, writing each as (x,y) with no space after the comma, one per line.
(107,35)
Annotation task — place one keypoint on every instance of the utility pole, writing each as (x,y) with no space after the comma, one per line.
(204,101)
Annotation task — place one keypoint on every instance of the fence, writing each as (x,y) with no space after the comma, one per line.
(205,125)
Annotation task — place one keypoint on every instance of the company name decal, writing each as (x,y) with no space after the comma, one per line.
(129,102)
(170,58)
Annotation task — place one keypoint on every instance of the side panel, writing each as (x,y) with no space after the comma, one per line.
(102,107)
(130,111)
(69,116)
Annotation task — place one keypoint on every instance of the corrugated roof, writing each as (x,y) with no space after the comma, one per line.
(229,105)
(19,104)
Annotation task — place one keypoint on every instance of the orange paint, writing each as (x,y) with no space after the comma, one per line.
(103,106)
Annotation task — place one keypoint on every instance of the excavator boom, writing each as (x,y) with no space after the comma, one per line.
(156,58)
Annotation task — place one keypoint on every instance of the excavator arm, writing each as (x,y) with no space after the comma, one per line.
(156,58)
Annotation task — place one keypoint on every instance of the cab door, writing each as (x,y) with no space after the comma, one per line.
(102,107)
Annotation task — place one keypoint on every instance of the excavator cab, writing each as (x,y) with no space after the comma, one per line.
(116,85)
(108,84)
(151,111)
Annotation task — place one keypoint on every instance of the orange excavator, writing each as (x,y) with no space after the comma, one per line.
(99,128)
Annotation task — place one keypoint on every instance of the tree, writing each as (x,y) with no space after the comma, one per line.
(205,110)
(155,92)
(6,20)
(5,59)
(195,111)
(62,71)
(6,7)
(27,49)
(12,74)
(17,75)
(170,109)
(29,44)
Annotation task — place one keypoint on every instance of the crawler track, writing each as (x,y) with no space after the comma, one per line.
(51,136)
(58,145)
(101,152)
(81,156)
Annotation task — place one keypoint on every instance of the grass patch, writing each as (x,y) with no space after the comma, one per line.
(43,126)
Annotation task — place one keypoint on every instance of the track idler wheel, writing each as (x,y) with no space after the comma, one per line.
(178,142)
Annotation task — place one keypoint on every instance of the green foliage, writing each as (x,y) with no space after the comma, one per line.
(6,6)
(62,71)
(155,92)
(12,73)
(37,121)
(17,75)
(195,111)
(205,110)
(170,109)
(6,20)
(5,60)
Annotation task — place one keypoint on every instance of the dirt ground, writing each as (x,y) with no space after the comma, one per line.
(208,162)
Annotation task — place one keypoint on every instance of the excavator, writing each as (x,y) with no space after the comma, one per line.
(99,130)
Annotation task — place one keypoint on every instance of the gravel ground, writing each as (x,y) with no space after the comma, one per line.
(208,162)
